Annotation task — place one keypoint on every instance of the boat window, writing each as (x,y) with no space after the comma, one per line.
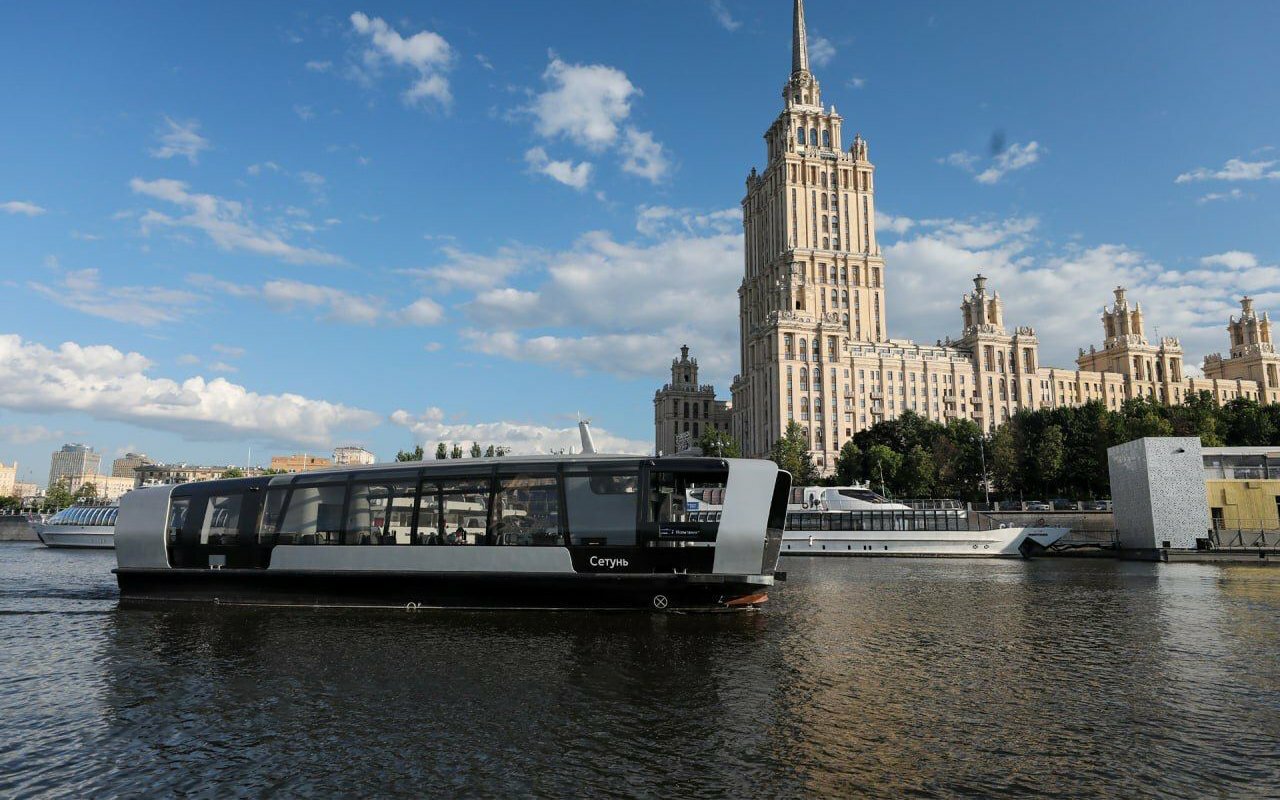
(380,513)
(526,511)
(111,517)
(272,508)
(668,511)
(601,508)
(463,505)
(177,517)
(221,520)
(313,516)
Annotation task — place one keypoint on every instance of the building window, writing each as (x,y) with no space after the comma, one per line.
(799,133)
(813,136)
(826,138)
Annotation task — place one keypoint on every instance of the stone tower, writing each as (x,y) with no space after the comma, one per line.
(686,406)
(1253,356)
(813,275)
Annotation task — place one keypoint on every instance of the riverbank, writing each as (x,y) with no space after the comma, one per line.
(15,528)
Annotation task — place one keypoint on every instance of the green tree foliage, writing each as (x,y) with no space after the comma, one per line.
(719,443)
(456,452)
(791,453)
(10,502)
(442,452)
(233,472)
(476,450)
(848,464)
(416,454)
(58,496)
(269,471)
(87,493)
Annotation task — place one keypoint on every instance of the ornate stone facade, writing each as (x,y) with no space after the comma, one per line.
(814,336)
(686,406)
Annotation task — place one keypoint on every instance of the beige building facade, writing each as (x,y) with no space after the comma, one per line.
(109,487)
(8,480)
(354,456)
(299,462)
(815,345)
(685,406)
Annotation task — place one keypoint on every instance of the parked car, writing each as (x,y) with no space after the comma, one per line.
(1038,505)
(1097,505)
(1063,504)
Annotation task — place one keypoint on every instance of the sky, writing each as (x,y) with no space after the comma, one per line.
(235,229)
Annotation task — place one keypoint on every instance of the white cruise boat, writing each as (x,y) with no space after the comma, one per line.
(855,521)
(80,526)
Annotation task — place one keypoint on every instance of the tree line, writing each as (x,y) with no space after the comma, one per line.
(443,451)
(1048,453)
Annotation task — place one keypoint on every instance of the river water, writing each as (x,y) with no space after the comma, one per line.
(876,678)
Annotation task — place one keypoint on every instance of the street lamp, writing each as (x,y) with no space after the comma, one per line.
(986,485)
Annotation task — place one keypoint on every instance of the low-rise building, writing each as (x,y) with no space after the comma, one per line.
(299,462)
(109,487)
(161,474)
(351,455)
(126,466)
(25,491)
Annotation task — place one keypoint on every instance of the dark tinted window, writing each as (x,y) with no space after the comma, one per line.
(526,511)
(602,507)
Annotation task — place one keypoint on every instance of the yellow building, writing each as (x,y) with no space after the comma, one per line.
(1243,488)
(299,462)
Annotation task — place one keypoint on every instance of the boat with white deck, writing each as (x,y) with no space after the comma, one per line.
(856,521)
(79,527)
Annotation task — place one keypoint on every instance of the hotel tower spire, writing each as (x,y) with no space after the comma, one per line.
(799,40)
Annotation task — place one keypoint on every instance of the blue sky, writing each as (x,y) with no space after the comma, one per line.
(243,225)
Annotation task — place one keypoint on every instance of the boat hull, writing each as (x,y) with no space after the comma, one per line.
(76,537)
(995,543)
(426,590)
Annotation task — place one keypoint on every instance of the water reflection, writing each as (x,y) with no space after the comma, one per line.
(863,678)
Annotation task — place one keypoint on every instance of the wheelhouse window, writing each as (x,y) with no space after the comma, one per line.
(670,505)
(526,511)
(177,517)
(601,507)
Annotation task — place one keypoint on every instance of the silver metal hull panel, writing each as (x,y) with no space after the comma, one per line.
(80,536)
(140,528)
(740,540)
(996,543)
(327,558)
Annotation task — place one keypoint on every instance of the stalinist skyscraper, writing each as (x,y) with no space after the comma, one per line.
(814,335)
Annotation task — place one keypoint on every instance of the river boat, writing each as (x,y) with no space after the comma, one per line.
(856,521)
(79,527)
(585,531)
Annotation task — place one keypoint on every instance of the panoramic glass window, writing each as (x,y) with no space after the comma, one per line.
(221,520)
(269,522)
(464,507)
(526,511)
(380,513)
(601,508)
(314,516)
(672,497)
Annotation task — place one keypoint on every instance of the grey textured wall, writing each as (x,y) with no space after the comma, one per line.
(1157,489)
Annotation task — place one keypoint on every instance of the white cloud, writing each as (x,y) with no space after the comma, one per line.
(585,103)
(425,52)
(1040,285)
(524,438)
(1234,170)
(227,350)
(888,222)
(28,434)
(722,15)
(1233,259)
(821,51)
(464,270)
(21,207)
(304,112)
(484,61)
(623,307)
(180,139)
(83,291)
(319,66)
(1234,194)
(256,169)
(1010,159)
(188,359)
(224,221)
(223,367)
(336,305)
(108,384)
(643,156)
(566,172)
(857,83)
(433,347)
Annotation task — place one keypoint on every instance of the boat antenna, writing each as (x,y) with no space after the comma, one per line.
(584,431)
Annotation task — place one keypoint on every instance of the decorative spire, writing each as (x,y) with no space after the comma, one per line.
(799,41)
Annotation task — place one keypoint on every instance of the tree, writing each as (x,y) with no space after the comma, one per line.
(456,452)
(489,452)
(476,450)
(881,464)
(1048,460)
(58,496)
(232,472)
(87,493)
(416,454)
(719,443)
(501,450)
(270,471)
(442,452)
(10,502)
(848,464)
(791,453)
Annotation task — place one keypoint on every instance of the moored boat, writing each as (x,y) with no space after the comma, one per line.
(587,531)
(79,527)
